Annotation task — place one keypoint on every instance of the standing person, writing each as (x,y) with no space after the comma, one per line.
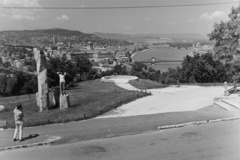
(62,81)
(18,117)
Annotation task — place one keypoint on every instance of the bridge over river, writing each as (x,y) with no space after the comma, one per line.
(154,61)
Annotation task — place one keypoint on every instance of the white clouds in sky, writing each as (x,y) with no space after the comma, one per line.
(81,6)
(214,17)
(173,23)
(128,27)
(192,20)
(23,3)
(19,14)
(62,18)
(147,18)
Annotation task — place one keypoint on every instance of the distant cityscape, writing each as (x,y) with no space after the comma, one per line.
(16,48)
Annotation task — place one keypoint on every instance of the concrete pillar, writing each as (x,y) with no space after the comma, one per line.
(64,101)
(42,95)
(225,89)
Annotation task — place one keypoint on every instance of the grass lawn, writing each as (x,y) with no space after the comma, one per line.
(87,100)
(146,84)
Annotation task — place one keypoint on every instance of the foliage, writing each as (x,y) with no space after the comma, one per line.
(120,70)
(171,76)
(6,64)
(227,38)
(144,84)
(81,66)
(198,69)
(202,69)
(17,83)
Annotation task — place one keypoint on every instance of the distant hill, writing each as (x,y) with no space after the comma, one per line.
(53,31)
(44,37)
(145,37)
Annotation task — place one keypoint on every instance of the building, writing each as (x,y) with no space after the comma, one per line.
(92,55)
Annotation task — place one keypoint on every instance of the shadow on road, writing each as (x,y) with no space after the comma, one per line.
(31,136)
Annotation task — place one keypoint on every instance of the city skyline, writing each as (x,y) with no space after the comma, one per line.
(159,20)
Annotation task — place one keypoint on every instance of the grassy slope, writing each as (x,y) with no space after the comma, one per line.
(87,100)
(146,84)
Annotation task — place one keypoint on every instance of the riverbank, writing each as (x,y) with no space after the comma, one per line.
(134,54)
(168,54)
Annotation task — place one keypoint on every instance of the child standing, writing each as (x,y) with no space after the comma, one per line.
(62,81)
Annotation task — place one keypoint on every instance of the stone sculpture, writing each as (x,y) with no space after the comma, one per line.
(42,94)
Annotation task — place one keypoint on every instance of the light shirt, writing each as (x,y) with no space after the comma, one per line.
(18,115)
(62,77)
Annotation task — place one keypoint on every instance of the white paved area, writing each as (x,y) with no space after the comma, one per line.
(170,99)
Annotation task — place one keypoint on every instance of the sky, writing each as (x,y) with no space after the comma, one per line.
(168,20)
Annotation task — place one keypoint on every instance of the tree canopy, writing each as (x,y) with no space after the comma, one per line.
(227,37)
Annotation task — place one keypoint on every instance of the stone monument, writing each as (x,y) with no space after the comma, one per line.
(64,101)
(225,89)
(42,94)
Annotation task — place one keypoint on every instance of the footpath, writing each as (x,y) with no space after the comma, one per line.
(109,125)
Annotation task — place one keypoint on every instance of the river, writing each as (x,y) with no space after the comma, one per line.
(163,54)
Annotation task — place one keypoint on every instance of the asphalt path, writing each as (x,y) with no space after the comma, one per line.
(215,141)
(166,100)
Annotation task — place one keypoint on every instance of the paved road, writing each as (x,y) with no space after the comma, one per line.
(216,141)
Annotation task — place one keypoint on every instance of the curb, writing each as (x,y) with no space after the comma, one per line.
(197,123)
(47,142)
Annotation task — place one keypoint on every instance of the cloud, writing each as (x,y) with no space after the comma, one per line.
(191,20)
(62,18)
(173,23)
(19,14)
(22,3)
(23,14)
(147,18)
(81,6)
(3,15)
(128,27)
(214,17)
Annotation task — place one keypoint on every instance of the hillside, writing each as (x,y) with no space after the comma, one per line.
(145,37)
(48,37)
(53,31)
(87,99)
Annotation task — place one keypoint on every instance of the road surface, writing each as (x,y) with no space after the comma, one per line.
(215,141)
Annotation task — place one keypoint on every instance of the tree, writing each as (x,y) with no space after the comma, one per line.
(1,61)
(80,66)
(83,65)
(202,69)
(138,67)
(172,76)
(120,70)
(11,87)
(6,64)
(3,84)
(227,39)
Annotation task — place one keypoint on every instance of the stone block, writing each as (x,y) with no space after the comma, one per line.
(2,108)
(64,101)
(43,91)
(52,100)
(3,124)
(38,99)
(54,97)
